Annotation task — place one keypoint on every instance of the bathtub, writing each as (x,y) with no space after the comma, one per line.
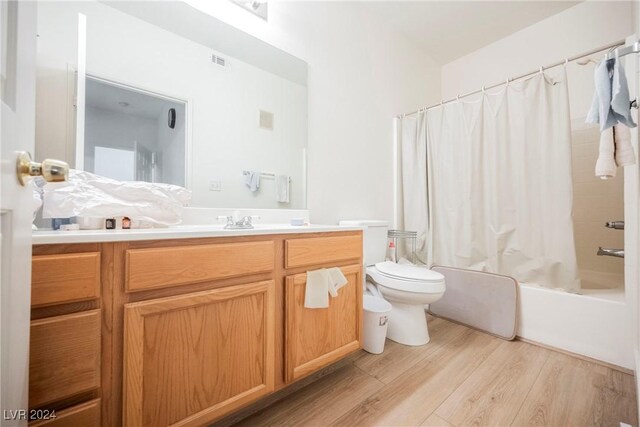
(591,323)
(598,282)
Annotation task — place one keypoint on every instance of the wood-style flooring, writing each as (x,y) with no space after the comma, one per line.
(462,377)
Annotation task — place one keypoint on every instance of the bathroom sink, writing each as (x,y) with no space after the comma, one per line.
(216,227)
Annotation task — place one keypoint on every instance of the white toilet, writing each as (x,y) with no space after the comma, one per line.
(407,287)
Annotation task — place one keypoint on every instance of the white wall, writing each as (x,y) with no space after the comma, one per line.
(360,76)
(581,28)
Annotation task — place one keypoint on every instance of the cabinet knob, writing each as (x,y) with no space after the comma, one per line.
(51,170)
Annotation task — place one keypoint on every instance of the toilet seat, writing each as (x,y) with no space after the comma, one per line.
(408,278)
(408,272)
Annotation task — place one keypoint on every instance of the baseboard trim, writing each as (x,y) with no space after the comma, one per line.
(580,356)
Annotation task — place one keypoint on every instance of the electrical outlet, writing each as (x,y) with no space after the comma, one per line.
(215,185)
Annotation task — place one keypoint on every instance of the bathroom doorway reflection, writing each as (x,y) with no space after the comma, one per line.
(134,135)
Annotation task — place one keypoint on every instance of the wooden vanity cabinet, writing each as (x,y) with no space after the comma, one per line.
(187,331)
(66,340)
(315,338)
(192,358)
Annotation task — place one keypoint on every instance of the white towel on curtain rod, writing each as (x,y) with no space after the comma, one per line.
(500,186)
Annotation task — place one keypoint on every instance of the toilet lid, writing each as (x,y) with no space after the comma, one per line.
(408,285)
(408,272)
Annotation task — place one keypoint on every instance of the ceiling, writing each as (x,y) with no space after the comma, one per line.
(447,30)
(127,101)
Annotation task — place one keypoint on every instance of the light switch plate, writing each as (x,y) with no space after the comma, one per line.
(215,185)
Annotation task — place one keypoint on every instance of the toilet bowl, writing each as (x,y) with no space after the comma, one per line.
(408,288)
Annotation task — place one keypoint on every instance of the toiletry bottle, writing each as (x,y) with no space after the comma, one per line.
(126,223)
(392,255)
(57,222)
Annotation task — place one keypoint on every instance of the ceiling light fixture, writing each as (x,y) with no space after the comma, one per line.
(257,7)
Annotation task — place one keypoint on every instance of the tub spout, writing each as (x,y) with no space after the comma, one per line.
(619,253)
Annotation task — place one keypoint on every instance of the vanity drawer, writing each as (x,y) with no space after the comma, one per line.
(322,250)
(65,278)
(179,265)
(64,357)
(85,415)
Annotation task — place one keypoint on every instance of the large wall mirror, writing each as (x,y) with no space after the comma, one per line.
(161,92)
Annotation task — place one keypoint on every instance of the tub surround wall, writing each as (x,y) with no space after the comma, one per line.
(595,202)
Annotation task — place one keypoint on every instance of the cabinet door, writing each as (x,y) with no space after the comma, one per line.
(191,359)
(317,337)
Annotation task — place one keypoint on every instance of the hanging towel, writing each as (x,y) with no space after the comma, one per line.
(336,280)
(624,150)
(252,180)
(601,111)
(606,165)
(282,188)
(620,102)
(316,293)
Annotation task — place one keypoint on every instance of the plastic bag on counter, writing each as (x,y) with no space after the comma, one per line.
(89,195)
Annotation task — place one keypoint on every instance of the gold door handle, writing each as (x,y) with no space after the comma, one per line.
(50,170)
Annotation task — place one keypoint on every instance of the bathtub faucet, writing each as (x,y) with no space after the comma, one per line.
(616,225)
(618,253)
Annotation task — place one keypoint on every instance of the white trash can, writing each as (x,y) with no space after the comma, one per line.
(375,322)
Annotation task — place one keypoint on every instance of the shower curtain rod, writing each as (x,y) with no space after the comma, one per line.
(635,48)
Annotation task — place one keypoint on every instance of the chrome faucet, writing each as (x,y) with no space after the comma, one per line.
(618,253)
(616,225)
(244,223)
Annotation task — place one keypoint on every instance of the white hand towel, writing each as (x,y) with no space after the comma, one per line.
(282,188)
(316,292)
(624,150)
(606,165)
(336,281)
(252,180)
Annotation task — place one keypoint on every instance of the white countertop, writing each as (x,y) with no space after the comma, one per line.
(46,237)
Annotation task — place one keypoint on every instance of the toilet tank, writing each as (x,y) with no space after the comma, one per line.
(375,239)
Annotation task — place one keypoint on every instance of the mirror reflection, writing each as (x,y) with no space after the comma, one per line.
(128,92)
(130,135)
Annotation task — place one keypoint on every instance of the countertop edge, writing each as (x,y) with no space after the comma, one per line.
(49,237)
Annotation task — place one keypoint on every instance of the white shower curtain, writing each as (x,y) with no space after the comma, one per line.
(413,184)
(499,191)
